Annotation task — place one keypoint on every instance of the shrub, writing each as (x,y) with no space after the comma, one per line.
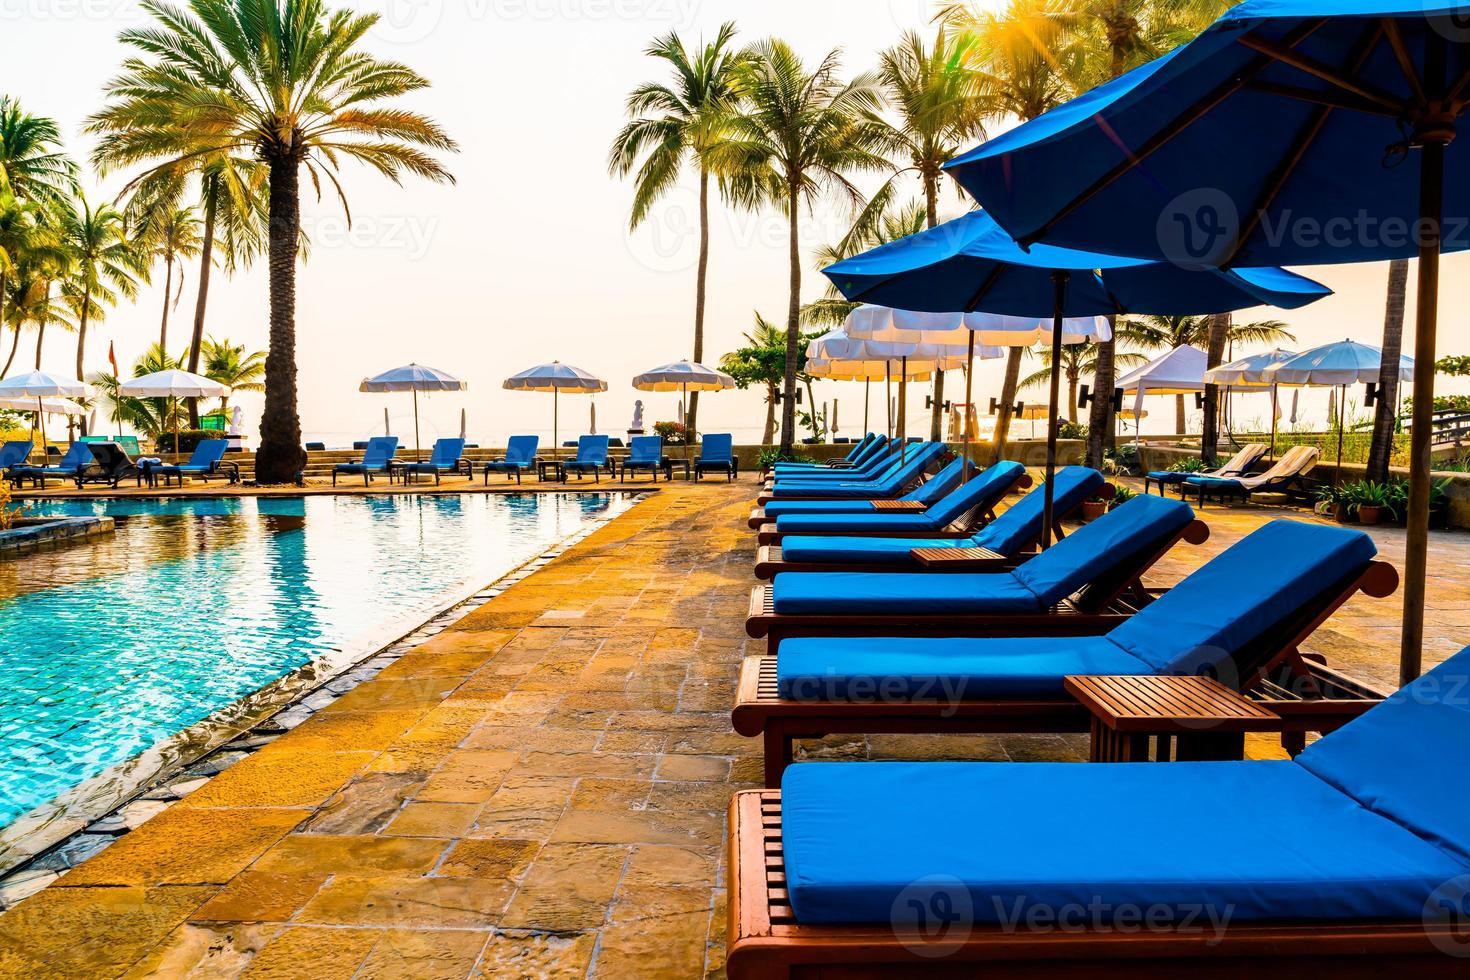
(188,439)
(770,457)
(1122,461)
(6,514)
(1067,429)
(673,433)
(1121,495)
(1191,464)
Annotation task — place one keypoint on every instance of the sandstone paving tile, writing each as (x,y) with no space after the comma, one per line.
(437,820)
(434,664)
(526,954)
(498,858)
(468,776)
(300,953)
(539,739)
(636,743)
(665,865)
(355,855)
(568,888)
(526,807)
(332,729)
(692,767)
(396,695)
(416,902)
(289,777)
(87,932)
(205,951)
(416,955)
(596,827)
(698,797)
(261,896)
(184,846)
(668,947)
(605,764)
(594,793)
(644,903)
(365,805)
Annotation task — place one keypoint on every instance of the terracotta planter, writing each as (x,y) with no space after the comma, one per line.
(1093,509)
(1368,514)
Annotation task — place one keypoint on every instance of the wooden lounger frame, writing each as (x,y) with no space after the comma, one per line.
(765,942)
(1308,695)
(1096,608)
(940,461)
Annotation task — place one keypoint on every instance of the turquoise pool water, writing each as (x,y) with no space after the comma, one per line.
(107,649)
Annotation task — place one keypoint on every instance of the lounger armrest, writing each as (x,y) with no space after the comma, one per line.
(960,559)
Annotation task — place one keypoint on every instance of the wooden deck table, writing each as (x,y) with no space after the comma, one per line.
(1186,718)
(961,559)
(899,506)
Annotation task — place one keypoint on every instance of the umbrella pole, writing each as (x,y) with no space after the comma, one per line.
(555,422)
(1416,550)
(888,394)
(1059,279)
(1341,425)
(1275,391)
(903,406)
(867,385)
(688,432)
(418,447)
(965,412)
(41,423)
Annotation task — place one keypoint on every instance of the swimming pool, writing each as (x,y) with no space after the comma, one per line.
(110,647)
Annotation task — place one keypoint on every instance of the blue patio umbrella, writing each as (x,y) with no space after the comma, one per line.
(970,264)
(1287,132)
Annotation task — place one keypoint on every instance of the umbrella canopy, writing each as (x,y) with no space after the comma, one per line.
(856,370)
(1181,371)
(1346,362)
(683,376)
(50,406)
(43,384)
(413,377)
(173,383)
(1248,372)
(556,377)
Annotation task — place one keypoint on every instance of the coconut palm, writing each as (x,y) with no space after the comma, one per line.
(22,238)
(151,416)
(800,132)
(674,124)
(1386,408)
(171,236)
(284,81)
(231,364)
(103,265)
(32,165)
(762,361)
(1077,360)
(34,301)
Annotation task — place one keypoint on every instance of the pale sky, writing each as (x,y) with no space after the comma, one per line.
(528,258)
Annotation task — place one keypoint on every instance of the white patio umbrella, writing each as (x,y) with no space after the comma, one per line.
(1250,372)
(901,360)
(555,378)
(173,383)
(39,385)
(1338,365)
(684,376)
(1180,371)
(414,378)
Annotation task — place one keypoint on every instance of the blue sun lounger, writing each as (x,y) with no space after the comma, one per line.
(591,455)
(644,453)
(1238,465)
(1016,529)
(77,457)
(15,453)
(899,475)
(446,457)
(205,461)
(877,459)
(717,455)
(925,493)
(860,452)
(520,456)
(375,459)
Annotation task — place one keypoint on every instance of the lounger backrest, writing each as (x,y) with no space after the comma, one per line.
(1243,594)
(716,448)
(592,449)
(1242,461)
(940,484)
(985,489)
(872,449)
(109,456)
(857,449)
(15,452)
(446,452)
(1113,543)
(1295,462)
(646,449)
(522,449)
(1020,524)
(1406,758)
(379,450)
(208,452)
(77,454)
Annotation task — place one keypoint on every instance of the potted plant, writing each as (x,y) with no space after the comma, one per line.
(1370,500)
(1093,508)
(1330,500)
(1121,495)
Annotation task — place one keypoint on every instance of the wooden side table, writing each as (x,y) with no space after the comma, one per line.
(961,559)
(899,506)
(1187,719)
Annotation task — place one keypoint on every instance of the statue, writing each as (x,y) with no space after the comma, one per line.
(637,424)
(237,421)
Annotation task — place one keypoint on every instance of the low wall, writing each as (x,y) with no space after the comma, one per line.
(33,534)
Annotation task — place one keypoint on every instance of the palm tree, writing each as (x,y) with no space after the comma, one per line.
(935,95)
(1077,360)
(763,362)
(799,134)
(151,416)
(32,165)
(231,364)
(103,265)
(893,223)
(171,235)
(285,82)
(22,236)
(673,124)
(33,300)
(1386,408)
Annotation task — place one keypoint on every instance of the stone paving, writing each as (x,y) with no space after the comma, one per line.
(538,790)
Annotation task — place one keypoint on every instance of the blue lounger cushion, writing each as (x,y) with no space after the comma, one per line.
(1113,541)
(887,481)
(824,668)
(1359,826)
(1015,528)
(925,493)
(983,492)
(1263,840)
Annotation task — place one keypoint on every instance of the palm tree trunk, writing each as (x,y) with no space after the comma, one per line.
(1385,411)
(793,320)
(1072,378)
(14,347)
(82,343)
(281,457)
(769,433)
(1209,443)
(1100,416)
(1007,400)
(206,260)
(931,216)
(701,279)
(41,327)
(1181,423)
(168,288)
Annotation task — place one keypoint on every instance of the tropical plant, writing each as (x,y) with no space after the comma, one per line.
(32,300)
(32,165)
(672,124)
(150,416)
(761,362)
(103,265)
(284,81)
(231,364)
(171,236)
(1076,360)
(1121,495)
(22,240)
(800,132)
(1454,365)
(672,433)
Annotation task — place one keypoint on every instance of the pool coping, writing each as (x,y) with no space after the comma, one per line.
(53,838)
(54,532)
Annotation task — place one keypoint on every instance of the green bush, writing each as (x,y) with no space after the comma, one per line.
(673,433)
(188,439)
(770,457)
(1192,464)
(1067,429)
(1121,496)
